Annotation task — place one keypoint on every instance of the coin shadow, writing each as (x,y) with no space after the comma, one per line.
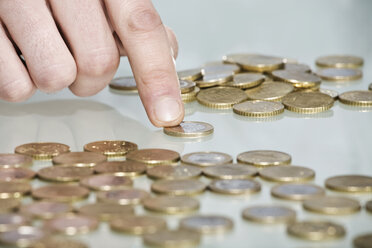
(204,109)
(355,108)
(325,114)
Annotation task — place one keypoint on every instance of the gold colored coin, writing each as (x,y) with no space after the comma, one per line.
(362,98)
(171,172)
(187,86)
(308,102)
(297,67)
(297,191)
(215,79)
(264,158)
(246,80)
(221,97)
(45,209)
(178,187)
(235,186)
(23,236)
(207,224)
(16,174)
(111,148)
(9,205)
(191,96)
(123,196)
(42,151)
(154,156)
(190,129)
(369,206)
(9,160)
(339,61)
(235,57)
(270,91)
(258,108)
(60,193)
(126,168)
(206,158)
(172,239)
(331,93)
(10,221)
(124,83)
(297,78)
(54,242)
(14,189)
(80,159)
(316,230)
(191,74)
(363,241)
(65,173)
(269,214)
(105,211)
(230,171)
(171,204)
(259,63)
(350,183)
(336,205)
(287,173)
(106,182)
(72,224)
(339,74)
(219,67)
(138,224)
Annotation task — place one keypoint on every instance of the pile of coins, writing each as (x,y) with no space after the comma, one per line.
(108,169)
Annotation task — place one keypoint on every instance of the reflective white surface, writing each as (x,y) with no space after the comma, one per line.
(335,142)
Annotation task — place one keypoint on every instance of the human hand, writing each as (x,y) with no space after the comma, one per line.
(77,44)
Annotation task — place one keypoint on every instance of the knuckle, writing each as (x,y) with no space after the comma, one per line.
(53,78)
(15,91)
(98,62)
(143,19)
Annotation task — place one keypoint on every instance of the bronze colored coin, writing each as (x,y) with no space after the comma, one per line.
(297,79)
(207,224)
(171,172)
(9,160)
(123,196)
(190,129)
(191,74)
(362,98)
(16,174)
(308,102)
(23,236)
(297,67)
(206,158)
(191,96)
(215,79)
(336,205)
(287,173)
(264,158)
(54,242)
(126,168)
(178,187)
(235,186)
(331,93)
(10,221)
(171,204)
(138,224)
(339,74)
(72,224)
(369,206)
(230,171)
(42,151)
(172,239)
(105,211)
(106,182)
(246,80)
(269,214)
(350,183)
(68,173)
(221,97)
(339,61)
(154,156)
(316,230)
(297,191)
(45,209)
(111,148)
(258,108)
(219,67)
(80,159)
(187,86)
(269,91)
(260,63)
(9,205)
(14,189)
(124,83)
(363,241)
(60,193)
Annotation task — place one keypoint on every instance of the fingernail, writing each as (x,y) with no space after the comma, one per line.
(167,109)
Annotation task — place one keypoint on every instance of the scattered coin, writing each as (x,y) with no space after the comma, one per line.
(221,97)
(171,204)
(126,168)
(68,173)
(111,148)
(219,67)
(178,187)
(363,241)
(297,67)
(287,173)
(72,224)
(369,206)
(230,171)
(23,236)
(215,79)
(191,74)
(264,158)
(350,183)
(331,93)
(269,214)
(246,80)
(206,158)
(123,196)
(187,86)
(154,156)
(16,174)
(190,129)
(297,191)
(105,211)
(235,186)
(171,172)
(14,189)
(339,61)
(235,57)
(9,205)
(45,209)
(10,221)
(106,182)
(297,78)
(138,224)
(339,74)
(9,160)
(207,224)
(308,102)
(337,205)
(41,151)
(54,242)
(124,83)
(81,159)
(172,238)
(258,108)
(60,193)
(191,96)
(259,63)
(370,87)
(269,91)
(362,98)
(316,230)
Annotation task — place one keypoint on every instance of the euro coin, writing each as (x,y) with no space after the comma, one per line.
(138,225)
(72,224)
(54,242)
(264,158)
(190,129)
(207,224)
(172,238)
(230,171)
(178,187)
(187,86)
(123,196)
(9,160)
(221,97)
(171,204)
(339,74)
(191,96)
(42,151)
(246,80)
(350,183)
(16,174)
(170,172)
(215,79)
(316,230)
(105,211)
(257,108)
(9,205)
(81,159)
(10,221)
(339,61)
(297,78)
(219,67)
(331,93)
(269,214)
(111,148)
(235,186)
(126,168)
(269,91)
(308,102)
(124,83)
(259,63)
(106,182)
(68,173)
(335,205)
(60,193)
(23,236)
(363,241)
(206,158)
(297,191)
(154,156)
(190,74)
(287,173)
(45,209)
(14,189)
(361,98)
(297,67)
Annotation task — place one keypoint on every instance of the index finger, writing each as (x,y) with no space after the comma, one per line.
(145,40)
